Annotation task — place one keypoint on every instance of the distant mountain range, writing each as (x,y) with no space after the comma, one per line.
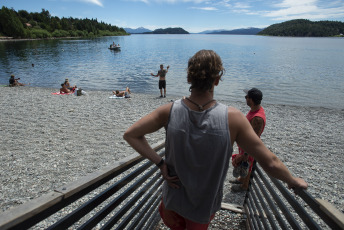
(211,31)
(142,30)
(170,30)
(243,31)
(139,30)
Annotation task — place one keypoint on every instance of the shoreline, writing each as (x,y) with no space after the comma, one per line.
(174,96)
(51,140)
(4,39)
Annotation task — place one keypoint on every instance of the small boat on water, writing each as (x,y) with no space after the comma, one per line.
(116,47)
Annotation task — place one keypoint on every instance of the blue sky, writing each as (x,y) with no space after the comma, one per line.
(192,15)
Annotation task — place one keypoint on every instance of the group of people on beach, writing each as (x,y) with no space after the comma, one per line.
(200,134)
(67,88)
(162,84)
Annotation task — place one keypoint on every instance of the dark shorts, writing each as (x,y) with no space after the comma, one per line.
(162,84)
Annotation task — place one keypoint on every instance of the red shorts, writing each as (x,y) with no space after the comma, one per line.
(175,221)
(250,159)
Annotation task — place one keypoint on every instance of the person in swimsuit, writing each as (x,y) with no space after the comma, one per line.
(64,89)
(14,81)
(162,79)
(67,84)
(126,93)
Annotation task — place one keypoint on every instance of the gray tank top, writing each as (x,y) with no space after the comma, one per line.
(198,150)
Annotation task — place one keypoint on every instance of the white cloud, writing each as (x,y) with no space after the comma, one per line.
(96,2)
(144,1)
(205,8)
(168,1)
(241,5)
(307,9)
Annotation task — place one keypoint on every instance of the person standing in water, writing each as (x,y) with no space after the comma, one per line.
(162,79)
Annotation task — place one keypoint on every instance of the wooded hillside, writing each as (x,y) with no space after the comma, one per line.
(305,28)
(176,30)
(23,24)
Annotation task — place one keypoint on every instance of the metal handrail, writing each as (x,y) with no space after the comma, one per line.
(139,181)
(269,205)
(129,192)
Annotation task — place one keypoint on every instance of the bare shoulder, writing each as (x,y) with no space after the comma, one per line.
(163,109)
(235,114)
(233,110)
(162,113)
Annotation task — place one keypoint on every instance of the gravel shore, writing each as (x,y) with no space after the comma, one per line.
(51,140)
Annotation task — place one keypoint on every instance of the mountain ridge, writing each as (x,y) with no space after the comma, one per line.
(138,30)
(241,31)
(305,28)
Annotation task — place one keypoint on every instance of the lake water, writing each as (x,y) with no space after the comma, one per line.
(291,71)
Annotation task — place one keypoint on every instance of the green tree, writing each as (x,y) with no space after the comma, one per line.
(10,24)
(66,24)
(24,14)
(55,24)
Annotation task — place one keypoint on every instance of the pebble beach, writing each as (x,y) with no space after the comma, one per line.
(48,140)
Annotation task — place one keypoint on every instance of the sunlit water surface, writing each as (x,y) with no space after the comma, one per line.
(291,71)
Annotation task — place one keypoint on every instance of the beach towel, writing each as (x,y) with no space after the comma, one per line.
(115,97)
(58,93)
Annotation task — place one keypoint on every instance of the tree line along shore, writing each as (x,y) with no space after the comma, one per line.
(25,25)
(305,28)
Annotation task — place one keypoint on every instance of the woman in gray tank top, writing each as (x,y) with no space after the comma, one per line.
(200,133)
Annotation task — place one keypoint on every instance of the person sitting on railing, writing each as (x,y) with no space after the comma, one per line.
(200,133)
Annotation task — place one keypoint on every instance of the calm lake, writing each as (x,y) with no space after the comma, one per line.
(290,71)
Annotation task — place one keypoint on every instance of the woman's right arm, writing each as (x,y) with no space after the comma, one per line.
(150,123)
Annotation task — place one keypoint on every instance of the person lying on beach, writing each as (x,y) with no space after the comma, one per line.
(124,93)
(200,134)
(14,81)
(64,89)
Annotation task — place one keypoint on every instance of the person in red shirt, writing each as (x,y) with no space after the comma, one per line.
(256,117)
